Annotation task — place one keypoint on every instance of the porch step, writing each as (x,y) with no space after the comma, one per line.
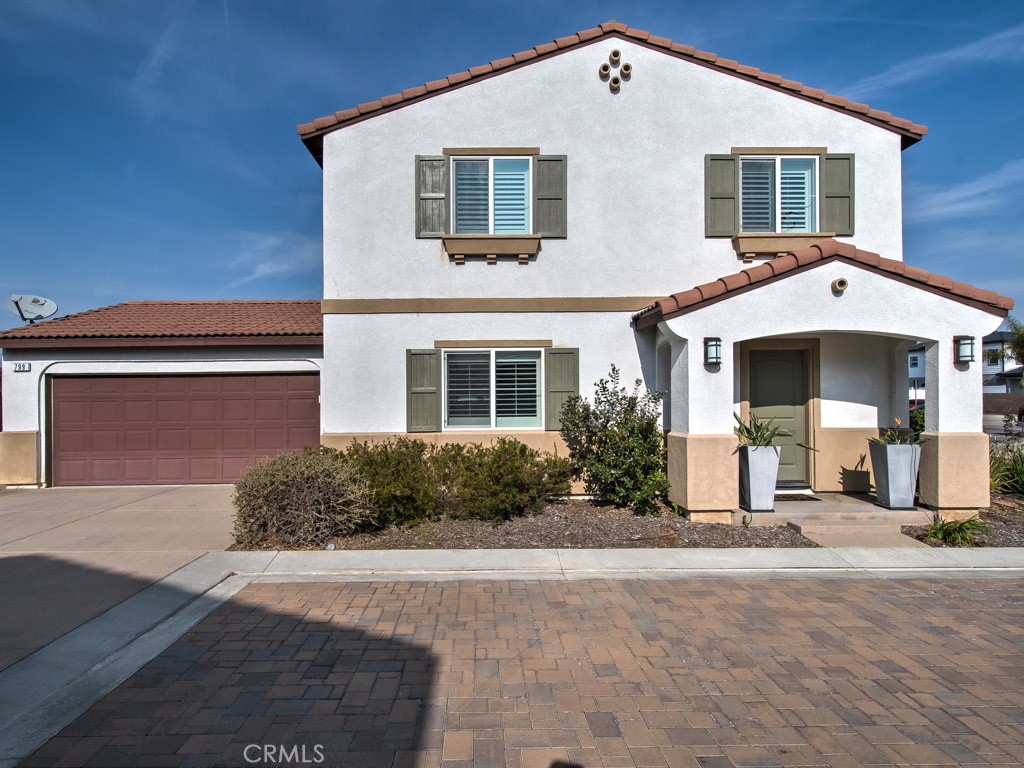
(873,540)
(847,527)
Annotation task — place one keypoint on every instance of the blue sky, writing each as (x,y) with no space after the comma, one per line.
(149,147)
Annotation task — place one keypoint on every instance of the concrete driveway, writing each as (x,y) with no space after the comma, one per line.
(69,554)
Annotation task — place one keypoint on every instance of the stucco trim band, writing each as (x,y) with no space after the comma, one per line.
(517,151)
(954,471)
(457,306)
(486,343)
(19,458)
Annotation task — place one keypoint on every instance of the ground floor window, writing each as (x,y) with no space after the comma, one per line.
(493,389)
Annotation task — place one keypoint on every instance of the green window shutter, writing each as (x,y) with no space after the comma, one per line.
(549,196)
(721,195)
(423,390)
(431,196)
(561,380)
(837,185)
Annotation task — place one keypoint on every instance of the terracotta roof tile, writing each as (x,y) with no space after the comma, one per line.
(679,303)
(180,320)
(312,132)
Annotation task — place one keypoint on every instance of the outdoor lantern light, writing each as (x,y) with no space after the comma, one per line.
(712,351)
(963,349)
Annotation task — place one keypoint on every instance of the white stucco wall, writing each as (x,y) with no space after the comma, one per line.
(363,382)
(863,335)
(635,177)
(23,392)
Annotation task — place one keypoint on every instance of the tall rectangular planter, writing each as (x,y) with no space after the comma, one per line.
(759,473)
(895,469)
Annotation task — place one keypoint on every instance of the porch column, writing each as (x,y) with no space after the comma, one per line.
(954,450)
(703,466)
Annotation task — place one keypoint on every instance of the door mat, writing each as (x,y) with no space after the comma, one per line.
(795,497)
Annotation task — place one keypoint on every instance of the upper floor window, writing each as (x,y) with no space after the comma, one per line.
(779,194)
(992,356)
(492,195)
(914,361)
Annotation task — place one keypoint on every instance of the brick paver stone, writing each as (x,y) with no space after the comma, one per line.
(718,673)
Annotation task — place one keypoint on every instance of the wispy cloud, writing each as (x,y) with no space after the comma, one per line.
(269,254)
(981,196)
(1004,46)
(146,84)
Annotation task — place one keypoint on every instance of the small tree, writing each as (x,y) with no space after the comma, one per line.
(1015,346)
(617,444)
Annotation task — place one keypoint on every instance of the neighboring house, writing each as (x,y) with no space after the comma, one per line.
(1001,372)
(495,240)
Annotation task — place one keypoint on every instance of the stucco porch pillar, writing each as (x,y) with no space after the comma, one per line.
(954,476)
(703,469)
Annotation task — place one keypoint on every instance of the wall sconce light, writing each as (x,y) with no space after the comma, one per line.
(963,349)
(712,351)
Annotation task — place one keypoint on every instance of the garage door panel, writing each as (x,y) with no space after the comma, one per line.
(177,429)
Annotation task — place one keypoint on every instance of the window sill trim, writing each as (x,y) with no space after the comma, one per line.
(751,244)
(491,246)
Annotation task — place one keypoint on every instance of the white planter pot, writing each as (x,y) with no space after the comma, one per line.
(759,472)
(895,470)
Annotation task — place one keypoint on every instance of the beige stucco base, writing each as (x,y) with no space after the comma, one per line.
(954,472)
(19,458)
(841,460)
(550,442)
(703,473)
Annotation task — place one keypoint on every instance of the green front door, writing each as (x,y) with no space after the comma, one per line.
(778,388)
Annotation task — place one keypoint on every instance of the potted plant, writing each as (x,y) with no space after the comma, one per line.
(895,459)
(759,462)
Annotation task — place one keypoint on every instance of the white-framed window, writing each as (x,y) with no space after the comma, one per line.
(914,361)
(493,389)
(492,195)
(779,194)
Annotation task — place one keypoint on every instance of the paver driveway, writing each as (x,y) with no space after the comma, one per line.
(700,672)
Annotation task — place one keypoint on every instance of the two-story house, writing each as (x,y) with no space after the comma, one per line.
(495,240)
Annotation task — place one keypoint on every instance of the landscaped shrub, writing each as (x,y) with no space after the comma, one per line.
(959,533)
(1006,465)
(404,486)
(617,444)
(508,479)
(917,421)
(301,500)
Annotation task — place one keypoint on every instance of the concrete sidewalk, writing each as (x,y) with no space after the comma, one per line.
(55,684)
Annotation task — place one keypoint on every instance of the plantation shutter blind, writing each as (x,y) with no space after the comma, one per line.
(837,194)
(517,389)
(757,180)
(721,197)
(511,196)
(468,391)
(431,196)
(472,199)
(423,390)
(798,203)
(550,182)
(561,381)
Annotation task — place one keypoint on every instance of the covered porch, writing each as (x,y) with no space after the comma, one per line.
(818,340)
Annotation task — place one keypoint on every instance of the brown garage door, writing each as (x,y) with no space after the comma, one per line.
(141,430)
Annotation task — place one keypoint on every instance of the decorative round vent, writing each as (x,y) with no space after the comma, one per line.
(622,73)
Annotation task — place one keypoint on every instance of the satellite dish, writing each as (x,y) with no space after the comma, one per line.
(31,308)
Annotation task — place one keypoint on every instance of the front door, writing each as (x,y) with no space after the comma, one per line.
(778,388)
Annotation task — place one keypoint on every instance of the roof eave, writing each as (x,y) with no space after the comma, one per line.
(101,342)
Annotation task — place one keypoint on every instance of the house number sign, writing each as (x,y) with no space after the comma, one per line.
(22,367)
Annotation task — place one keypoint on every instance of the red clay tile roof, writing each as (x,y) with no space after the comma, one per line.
(312,133)
(807,258)
(284,322)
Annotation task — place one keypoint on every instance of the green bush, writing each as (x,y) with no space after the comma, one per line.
(917,421)
(617,444)
(401,475)
(301,500)
(1006,466)
(959,533)
(508,479)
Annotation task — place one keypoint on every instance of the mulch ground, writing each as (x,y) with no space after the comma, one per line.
(1005,518)
(576,524)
